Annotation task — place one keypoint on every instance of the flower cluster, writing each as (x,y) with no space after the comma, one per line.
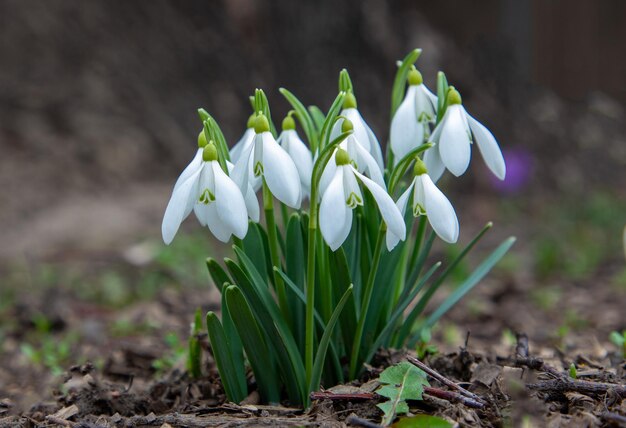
(285,164)
(350,256)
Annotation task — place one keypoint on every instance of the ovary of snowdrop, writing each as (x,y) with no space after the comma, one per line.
(343,194)
(453,138)
(428,200)
(290,141)
(410,124)
(215,199)
(269,162)
(362,132)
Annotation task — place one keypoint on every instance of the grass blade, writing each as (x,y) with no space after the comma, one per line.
(232,376)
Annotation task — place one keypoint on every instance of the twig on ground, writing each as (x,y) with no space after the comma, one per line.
(355,420)
(327,395)
(523,358)
(443,379)
(580,386)
(614,417)
(453,397)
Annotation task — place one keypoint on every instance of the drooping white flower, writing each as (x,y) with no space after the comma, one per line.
(343,195)
(428,200)
(410,124)
(299,153)
(272,163)
(215,199)
(453,136)
(360,158)
(362,132)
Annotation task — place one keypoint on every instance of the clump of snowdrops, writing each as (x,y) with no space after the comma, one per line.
(339,265)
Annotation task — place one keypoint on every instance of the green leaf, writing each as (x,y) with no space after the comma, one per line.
(325,340)
(422,421)
(217,273)
(341,280)
(294,264)
(303,116)
(334,110)
(274,324)
(255,246)
(480,272)
(399,82)
(318,117)
(232,375)
(260,104)
(345,83)
(254,344)
(400,169)
(194,356)
(401,382)
(442,95)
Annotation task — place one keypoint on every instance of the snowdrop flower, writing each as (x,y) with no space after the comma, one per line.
(362,132)
(453,136)
(409,127)
(360,158)
(215,199)
(343,195)
(245,140)
(272,163)
(428,200)
(298,151)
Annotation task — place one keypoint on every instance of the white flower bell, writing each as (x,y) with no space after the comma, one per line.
(362,132)
(430,201)
(360,158)
(343,195)
(271,162)
(453,136)
(298,151)
(410,124)
(215,199)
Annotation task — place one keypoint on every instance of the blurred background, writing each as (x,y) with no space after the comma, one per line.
(98,117)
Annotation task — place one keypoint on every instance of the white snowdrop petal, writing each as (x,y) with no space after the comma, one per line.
(327,175)
(193,166)
(241,173)
(218,228)
(243,143)
(391,239)
(231,206)
(177,206)
(333,211)
(488,147)
(281,174)
(405,133)
(369,165)
(301,156)
(454,141)
(433,163)
(440,212)
(388,209)
(375,150)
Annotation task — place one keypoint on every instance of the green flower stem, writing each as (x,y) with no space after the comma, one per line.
(310,287)
(367,296)
(268,205)
(418,243)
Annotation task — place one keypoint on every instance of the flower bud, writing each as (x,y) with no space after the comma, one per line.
(415,77)
(347,126)
(349,101)
(288,123)
(261,124)
(210,152)
(453,96)
(420,167)
(251,121)
(342,157)
(201,139)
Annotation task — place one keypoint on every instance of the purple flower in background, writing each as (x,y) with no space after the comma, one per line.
(519,165)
